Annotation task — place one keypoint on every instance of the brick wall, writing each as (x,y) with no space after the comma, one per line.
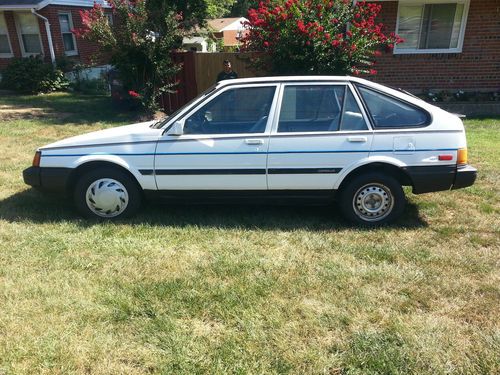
(88,52)
(476,68)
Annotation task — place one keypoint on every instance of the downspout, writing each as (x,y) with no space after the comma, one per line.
(49,36)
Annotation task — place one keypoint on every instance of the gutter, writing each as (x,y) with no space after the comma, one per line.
(49,35)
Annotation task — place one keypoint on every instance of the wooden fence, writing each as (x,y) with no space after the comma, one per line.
(199,72)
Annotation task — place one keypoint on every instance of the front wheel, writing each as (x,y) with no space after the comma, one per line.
(107,193)
(372,199)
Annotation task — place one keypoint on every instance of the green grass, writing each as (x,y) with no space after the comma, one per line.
(242,289)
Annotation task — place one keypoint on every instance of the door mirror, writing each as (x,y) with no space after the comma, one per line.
(176,129)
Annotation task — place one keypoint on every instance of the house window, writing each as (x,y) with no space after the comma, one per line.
(27,26)
(5,48)
(69,41)
(432,26)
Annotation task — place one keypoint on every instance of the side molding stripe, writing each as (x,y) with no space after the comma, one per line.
(190,172)
(303,170)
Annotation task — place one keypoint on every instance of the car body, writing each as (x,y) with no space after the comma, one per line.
(313,138)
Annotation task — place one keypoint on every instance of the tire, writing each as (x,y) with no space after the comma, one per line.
(372,199)
(107,194)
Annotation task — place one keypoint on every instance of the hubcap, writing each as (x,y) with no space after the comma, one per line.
(373,202)
(107,197)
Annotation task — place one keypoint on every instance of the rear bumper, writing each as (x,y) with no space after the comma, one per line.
(439,178)
(51,179)
(466,176)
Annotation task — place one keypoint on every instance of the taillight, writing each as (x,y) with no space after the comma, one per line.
(36,159)
(462,156)
(445,157)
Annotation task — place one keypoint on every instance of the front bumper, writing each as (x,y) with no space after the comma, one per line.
(51,179)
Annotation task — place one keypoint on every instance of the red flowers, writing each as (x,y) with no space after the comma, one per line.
(134,94)
(342,37)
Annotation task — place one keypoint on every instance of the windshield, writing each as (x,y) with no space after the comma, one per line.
(161,122)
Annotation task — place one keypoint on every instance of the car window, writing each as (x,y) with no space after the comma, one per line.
(352,118)
(390,112)
(319,108)
(238,110)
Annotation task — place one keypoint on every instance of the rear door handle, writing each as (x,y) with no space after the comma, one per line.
(254,141)
(357,139)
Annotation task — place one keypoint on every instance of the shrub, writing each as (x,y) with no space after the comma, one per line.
(140,43)
(32,75)
(317,36)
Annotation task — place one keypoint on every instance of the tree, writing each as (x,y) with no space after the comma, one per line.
(317,36)
(219,8)
(240,8)
(141,41)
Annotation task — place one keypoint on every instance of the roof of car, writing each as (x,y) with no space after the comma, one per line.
(277,79)
(311,79)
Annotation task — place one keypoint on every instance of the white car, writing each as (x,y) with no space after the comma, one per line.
(314,139)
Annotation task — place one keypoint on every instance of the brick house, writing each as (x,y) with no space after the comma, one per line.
(449,45)
(43,28)
(229,30)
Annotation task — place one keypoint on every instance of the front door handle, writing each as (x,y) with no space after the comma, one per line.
(357,139)
(254,141)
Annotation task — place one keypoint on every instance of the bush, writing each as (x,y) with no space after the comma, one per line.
(94,86)
(32,75)
(316,36)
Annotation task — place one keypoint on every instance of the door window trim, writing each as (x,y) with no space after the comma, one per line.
(274,130)
(211,96)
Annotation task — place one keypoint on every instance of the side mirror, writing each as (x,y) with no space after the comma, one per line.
(176,129)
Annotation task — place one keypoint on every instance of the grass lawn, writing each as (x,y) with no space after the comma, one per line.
(224,289)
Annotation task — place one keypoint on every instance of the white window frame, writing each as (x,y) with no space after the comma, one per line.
(458,49)
(196,107)
(70,21)
(11,54)
(20,36)
(347,84)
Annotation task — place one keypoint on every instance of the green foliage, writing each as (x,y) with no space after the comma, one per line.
(94,86)
(317,36)
(240,8)
(219,8)
(142,40)
(32,75)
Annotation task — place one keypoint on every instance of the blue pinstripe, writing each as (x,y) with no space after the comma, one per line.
(248,153)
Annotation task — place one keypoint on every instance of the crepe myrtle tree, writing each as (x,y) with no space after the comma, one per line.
(317,36)
(141,40)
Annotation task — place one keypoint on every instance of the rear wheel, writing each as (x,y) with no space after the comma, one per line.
(372,199)
(107,193)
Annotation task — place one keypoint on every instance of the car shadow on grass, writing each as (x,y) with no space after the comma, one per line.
(33,206)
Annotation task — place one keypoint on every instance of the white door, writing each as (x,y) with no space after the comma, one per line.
(321,129)
(224,143)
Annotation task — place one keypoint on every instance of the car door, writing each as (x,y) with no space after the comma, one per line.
(223,145)
(321,129)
